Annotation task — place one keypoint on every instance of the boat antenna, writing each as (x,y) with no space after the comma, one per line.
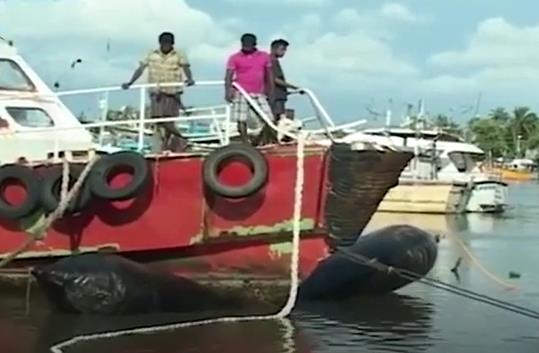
(477,104)
(374,113)
(389,112)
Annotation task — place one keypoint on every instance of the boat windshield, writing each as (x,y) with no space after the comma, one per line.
(12,78)
(462,161)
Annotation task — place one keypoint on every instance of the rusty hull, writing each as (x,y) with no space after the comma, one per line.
(177,225)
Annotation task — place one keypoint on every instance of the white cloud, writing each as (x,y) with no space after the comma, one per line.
(307,2)
(299,3)
(500,58)
(496,42)
(81,28)
(344,51)
(315,54)
(399,12)
(356,51)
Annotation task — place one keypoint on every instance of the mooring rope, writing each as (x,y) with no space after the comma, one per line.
(281,315)
(410,275)
(483,269)
(39,230)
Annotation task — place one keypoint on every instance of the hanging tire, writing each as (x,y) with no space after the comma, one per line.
(108,164)
(238,151)
(51,187)
(29,180)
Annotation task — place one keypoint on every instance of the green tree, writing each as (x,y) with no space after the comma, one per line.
(489,135)
(446,124)
(523,126)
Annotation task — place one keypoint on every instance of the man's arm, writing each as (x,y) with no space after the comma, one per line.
(136,75)
(283,83)
(189,74)
(186,66)
(270,81)
(230,68)
(228,85)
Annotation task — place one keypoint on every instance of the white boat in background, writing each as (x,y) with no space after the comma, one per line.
(444,177)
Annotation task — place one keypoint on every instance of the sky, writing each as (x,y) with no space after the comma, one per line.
(356,55)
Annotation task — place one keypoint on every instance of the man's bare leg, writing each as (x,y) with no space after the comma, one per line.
(242,129)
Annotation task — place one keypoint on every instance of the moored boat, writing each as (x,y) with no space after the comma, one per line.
(444,176)
(221,215)
(517,170)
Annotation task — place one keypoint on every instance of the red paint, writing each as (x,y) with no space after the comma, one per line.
(13,192)
(174,213)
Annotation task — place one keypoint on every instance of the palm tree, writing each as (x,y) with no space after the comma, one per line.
(523,125)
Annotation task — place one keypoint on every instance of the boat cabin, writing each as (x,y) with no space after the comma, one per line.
(29,111)
(439,155)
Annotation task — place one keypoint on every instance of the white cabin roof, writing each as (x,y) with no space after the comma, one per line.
(404,132)
(395,136)
(463,147)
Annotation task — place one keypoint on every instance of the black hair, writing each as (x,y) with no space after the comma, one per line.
(248,38)
(166,35)
(279,42)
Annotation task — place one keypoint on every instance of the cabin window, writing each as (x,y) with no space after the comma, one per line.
(30,117)
(462,161)
(12,78)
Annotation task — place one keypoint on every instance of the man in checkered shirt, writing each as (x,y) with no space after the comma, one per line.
(166,65)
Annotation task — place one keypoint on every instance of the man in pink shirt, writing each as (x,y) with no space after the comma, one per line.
(251,69)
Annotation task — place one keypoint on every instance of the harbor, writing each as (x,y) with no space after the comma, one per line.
(235,210)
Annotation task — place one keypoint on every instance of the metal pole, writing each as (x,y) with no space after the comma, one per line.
(142,116)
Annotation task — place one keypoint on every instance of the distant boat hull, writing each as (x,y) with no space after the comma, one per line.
(425,196)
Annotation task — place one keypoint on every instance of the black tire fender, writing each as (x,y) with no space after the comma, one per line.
(98,178)
(51,187)
(30,181)
(233,152)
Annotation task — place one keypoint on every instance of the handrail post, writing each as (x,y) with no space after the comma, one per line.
(142,116)
(104,115)
(56,152)
(227,124)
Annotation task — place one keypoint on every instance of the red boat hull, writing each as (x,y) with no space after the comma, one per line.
(176,221)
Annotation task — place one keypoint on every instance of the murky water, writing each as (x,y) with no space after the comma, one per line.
(417,319)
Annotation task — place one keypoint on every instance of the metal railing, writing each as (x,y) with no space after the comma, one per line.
(219,120)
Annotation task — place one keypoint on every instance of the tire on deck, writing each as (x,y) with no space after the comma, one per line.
(30,182)
(108,164)
(51,188)
(235,152)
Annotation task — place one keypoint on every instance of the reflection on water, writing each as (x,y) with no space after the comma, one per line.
(416,319)
(395,321)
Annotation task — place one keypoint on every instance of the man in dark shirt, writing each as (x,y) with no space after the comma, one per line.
(280,91)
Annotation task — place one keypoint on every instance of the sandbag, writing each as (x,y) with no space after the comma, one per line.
(110,284)
(401,246)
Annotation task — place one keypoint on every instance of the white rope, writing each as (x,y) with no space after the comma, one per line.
(281,315)
(38,231)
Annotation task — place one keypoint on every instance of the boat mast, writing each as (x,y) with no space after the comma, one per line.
(389,113)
